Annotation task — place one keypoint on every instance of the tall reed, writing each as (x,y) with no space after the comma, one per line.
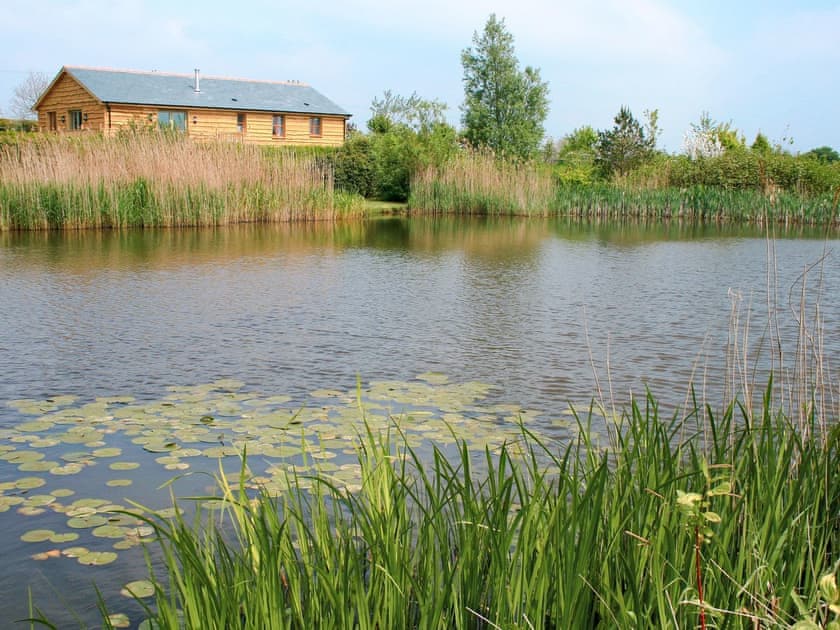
(480,183)
(477,183)
(139,179)
(538,535)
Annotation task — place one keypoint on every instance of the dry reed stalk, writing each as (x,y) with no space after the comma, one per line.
(157,179)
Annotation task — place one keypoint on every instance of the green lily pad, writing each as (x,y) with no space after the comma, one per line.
(74,552)
(63,492)
(220,451)
(140,589)
(29,483)
(38,466)
(22,457)
(118,483)
(40,500)
(37,535)
(107,452)
(97,558)
(119,620)
(35,426)
(63,538)
(123,465)
(83,522)
(67,469)
(29,510)
(109,531)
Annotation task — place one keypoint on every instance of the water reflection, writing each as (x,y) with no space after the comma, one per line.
(524,304)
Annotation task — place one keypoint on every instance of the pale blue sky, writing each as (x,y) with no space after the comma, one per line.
(767,65)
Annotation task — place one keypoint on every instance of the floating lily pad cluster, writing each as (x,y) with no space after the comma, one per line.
(192,427)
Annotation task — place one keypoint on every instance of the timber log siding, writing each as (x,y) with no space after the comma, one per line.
(81,99)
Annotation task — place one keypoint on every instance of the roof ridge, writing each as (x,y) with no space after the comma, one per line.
(186,76)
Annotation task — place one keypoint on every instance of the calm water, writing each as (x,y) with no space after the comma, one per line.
(538,309)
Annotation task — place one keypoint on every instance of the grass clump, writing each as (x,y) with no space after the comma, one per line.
(730,519)
(140,179)
(477,183)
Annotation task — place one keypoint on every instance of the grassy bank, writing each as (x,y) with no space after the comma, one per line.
(727,521)
(159,180)
(479,184)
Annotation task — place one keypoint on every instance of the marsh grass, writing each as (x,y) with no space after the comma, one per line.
(536,535)
(480,183)
(138,180)
(477,183)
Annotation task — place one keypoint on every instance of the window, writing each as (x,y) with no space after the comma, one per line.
(75,119)
(315,126)
(52,122)
(240,123)
(168,119)
(278,126)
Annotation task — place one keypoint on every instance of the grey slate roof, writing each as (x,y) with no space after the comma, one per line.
(173,90)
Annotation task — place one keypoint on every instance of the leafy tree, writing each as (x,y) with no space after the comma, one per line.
(652,128)
(761,145)
(417,113)
(504,107)
(823,154)
(407,134)
(713,133)
(26,94)
(625,146)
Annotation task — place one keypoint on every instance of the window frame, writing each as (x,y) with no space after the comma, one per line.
(241,123)
(74,119)
(282,120)
(170,123)
(316,127)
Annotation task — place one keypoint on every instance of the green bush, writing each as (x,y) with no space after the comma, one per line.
(353,167)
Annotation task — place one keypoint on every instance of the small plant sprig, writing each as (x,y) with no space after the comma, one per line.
(830,605)
(695,508)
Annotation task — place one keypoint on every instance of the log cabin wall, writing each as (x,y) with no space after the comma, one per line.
(70,107)
(67,96)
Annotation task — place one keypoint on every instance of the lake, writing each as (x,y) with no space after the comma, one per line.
(129,356)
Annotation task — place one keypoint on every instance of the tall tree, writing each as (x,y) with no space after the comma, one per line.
(504,107)
(625,146)
(27,93)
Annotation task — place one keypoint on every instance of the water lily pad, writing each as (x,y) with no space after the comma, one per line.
(63,492)
(77,456)
(37,535)
(109,531)
(67,469)
(35,426)
(22,457)
(29,483)
(118,483)
(38,466)
(63,538)
(123,465)
(74,552)
(83,522)
(221,451)
(97,558)
(40,500)
(107,452)
(119,620)
(139,589)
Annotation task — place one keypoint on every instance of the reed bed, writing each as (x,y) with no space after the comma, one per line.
(150,179)
(726,521)
(475,183)
(480,183)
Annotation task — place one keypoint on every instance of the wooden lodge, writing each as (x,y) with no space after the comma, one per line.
(262,112)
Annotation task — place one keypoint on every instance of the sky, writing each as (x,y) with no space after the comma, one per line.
(771,66)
